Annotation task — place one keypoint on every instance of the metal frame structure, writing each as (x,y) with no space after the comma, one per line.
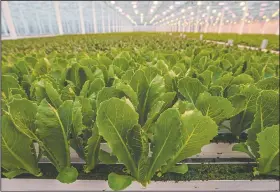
(59,17)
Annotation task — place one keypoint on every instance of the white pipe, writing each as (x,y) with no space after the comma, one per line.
(196,20)
(243,19)
(82,18)
(102,17)
(109,22)
(94,16)
(263,28)
(58,17)
(221,21)
(8,18)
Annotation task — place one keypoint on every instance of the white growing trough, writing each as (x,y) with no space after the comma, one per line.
(100,185)
(213,150)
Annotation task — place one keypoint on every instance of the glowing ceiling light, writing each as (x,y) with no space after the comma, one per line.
(244,8)
(208,7)
(155,2)
(177,3)
(113,2)
(152,10)
(199,3)
(183,10)
(171,7)
(221,3)
(192,13)
(214,11)
(164,13)
(242,3)
(134,6)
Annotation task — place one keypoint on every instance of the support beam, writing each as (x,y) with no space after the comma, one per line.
(196,20)
(102,17)
(82,23)
(93,4)
(58,17)
(243,18)
(263,28)
(8,18)
(109,22)
(207,19)
(221,21)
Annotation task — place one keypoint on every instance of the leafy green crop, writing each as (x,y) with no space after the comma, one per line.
(155,99)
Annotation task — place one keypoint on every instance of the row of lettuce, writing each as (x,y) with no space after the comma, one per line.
(155,100)
(253,40)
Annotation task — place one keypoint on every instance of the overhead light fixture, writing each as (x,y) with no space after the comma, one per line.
(164,13)
(155,2)
(177,2)
(242,3)
(192,13)
(134,2)
(171,7)
(214,11)
(244,8)
(113,2)
(134,6)
(152,10)
(221,3)
(207,7)
(199,3)
(183,10)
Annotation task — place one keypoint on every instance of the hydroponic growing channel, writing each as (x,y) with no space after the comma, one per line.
(138,108)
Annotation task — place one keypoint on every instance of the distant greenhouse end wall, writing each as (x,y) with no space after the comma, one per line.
(25,18)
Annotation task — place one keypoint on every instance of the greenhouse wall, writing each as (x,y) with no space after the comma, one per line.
(73,17)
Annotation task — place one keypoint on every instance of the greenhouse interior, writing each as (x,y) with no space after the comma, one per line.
(140,96)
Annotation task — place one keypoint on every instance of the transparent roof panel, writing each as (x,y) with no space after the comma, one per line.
(40,17)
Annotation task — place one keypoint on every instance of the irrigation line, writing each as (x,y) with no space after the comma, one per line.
(190,163)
